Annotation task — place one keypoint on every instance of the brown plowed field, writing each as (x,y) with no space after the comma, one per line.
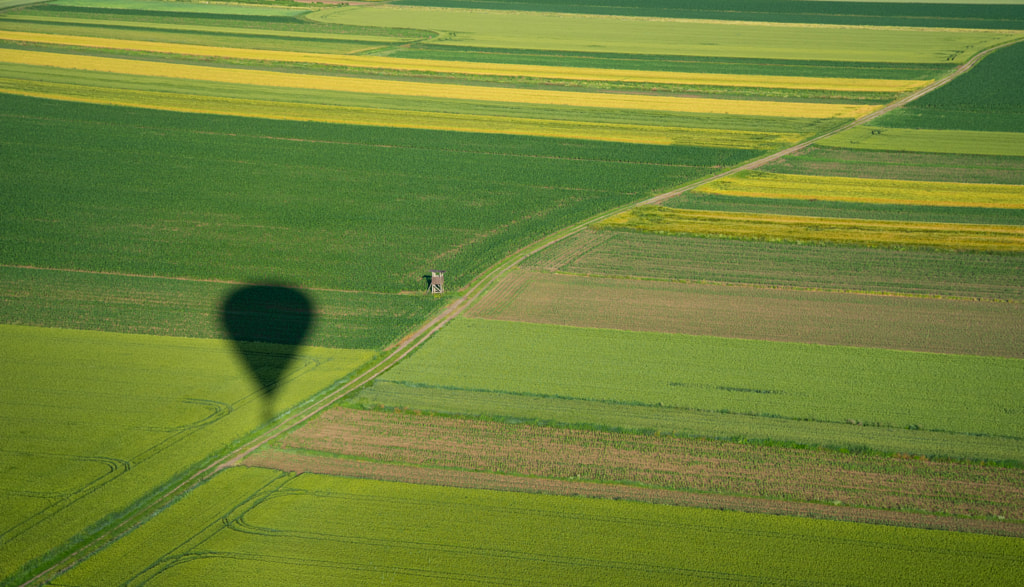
(522,457)
(896,322)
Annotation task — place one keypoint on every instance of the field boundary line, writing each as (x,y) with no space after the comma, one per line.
(394,353)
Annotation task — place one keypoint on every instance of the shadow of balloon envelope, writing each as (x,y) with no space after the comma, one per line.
(268,324)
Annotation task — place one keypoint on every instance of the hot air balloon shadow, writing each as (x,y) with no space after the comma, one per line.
(268,324)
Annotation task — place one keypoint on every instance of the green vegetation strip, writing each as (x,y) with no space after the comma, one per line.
(833,209)
(967,142)
(316,529)
(818,160)
(560,32)
(999,14)
(846,231)
(178,401)
(788,381)
(680,63)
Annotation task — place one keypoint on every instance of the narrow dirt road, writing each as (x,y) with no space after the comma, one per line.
(402,348)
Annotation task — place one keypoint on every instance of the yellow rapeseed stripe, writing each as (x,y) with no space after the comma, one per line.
(493,69)
(433,90)
(776,227)
(621,133)
(875,191)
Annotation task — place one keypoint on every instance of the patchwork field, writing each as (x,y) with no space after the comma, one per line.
(159,155)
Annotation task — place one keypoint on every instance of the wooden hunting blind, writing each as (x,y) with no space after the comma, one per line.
(437,282)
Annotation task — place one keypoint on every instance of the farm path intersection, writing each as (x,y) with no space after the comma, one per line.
(399,350)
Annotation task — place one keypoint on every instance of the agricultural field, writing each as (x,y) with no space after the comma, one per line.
(833,338)
(70,462)
(412,447)
(320,530)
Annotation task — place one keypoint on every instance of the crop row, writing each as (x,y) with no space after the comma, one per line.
(906,14)
(404,88)
(409,119)
(463,68)
(755,184)
(846,231)
(418,533)
(401,110)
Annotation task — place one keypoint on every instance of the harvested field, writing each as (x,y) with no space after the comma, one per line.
(896,322)
(366,442)
(905,166)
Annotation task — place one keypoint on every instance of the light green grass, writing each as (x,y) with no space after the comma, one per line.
(120,29)
(91,422)
(561,32)
(963,395)
(965,142)
(185,7)
(320,530)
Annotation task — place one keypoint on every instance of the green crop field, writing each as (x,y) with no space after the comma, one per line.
(787,381)
(999,14)
(116,417)
(987,98)
(560,32)
(319,530)
(907,166)
(340,190)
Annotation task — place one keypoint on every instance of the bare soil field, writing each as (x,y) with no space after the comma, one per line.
(954,326)
(471,453)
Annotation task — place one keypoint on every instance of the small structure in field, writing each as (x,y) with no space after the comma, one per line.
(437,282)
